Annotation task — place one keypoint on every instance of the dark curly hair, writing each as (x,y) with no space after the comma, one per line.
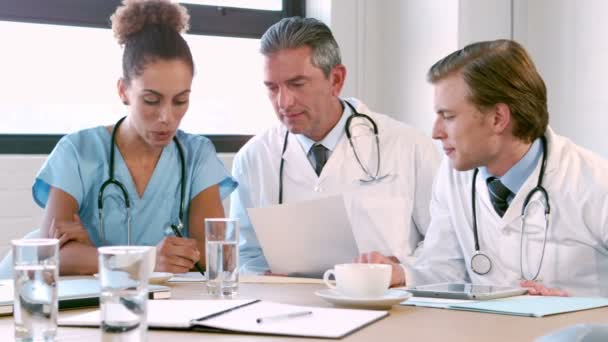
(150,30)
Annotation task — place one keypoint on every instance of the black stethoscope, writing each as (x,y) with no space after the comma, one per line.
(480,262)
(125,194)
(355,114)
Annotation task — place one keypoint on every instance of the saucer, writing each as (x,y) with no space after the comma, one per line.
(155,277)
(390,298)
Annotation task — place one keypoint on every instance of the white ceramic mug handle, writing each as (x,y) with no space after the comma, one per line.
(326,276)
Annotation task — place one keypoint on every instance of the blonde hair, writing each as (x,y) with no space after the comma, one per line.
(500,71)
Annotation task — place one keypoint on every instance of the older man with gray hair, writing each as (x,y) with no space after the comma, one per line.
(307,155)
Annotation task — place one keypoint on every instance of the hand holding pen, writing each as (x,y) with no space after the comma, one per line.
(197,265)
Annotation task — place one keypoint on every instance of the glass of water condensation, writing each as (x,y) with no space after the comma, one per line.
(124,273)
(35,276)
(222,256)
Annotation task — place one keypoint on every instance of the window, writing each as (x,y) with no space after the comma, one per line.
(272,5)
(61,65)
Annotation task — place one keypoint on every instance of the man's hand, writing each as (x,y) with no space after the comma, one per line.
(397,275)
(176,255)
(539,289)
(67,231)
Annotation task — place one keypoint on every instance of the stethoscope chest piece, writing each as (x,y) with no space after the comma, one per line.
(481,263)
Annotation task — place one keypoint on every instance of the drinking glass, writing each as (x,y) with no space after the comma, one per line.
(222,256)
(124,273)
(35,276)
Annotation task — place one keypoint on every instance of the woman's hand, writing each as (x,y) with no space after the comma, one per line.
(176,255)
(71,230)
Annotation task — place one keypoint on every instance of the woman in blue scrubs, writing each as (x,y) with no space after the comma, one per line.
(155,87)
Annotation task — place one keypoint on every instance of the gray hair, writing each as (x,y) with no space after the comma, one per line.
(295,32)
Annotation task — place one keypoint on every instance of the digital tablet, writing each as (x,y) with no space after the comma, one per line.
(466,291)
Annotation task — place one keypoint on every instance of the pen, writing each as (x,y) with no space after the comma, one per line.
(283,316)
(196,264)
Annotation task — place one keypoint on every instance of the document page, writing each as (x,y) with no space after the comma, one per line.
(304,321)
(305,238)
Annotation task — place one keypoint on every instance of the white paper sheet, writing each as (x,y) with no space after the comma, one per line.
(188,277)
(305,238)
(322,322)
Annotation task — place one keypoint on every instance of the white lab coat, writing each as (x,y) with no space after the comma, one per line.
(390,216)
(576,255)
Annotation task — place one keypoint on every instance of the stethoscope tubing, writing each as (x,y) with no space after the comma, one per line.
(539,188)
(355,114)
(125,194)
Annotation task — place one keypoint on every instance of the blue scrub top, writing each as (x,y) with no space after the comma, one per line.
(79,164)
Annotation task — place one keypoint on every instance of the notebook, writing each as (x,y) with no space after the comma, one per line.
(73,293)
(527,306)
(242,316)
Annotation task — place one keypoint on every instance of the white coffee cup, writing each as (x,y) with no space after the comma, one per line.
(360,280)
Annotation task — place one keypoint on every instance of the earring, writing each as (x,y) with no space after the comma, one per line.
(125,102)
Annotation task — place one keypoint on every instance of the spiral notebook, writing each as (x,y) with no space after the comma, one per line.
(245,317)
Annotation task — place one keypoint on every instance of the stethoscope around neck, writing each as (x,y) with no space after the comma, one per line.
(481,262)
(113,181)
(371,177)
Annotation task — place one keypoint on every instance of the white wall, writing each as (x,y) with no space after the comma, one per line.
(567,40)
(18,212)
(484,20)
(387,47)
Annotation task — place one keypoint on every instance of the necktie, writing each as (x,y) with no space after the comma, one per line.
(498,195)
(319,152)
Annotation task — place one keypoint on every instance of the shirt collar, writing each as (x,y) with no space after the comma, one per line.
(332,138)
(515,177)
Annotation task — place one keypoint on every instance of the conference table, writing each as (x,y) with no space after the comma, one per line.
(404,323)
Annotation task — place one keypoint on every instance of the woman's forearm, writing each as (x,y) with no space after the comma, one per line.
(78,259)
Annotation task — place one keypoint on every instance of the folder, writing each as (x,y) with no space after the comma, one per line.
(527,306)
(534,306)
(73,293)
(242,316)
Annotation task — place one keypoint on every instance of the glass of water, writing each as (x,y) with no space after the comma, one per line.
(124,273)
(222,256)
(35,276)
